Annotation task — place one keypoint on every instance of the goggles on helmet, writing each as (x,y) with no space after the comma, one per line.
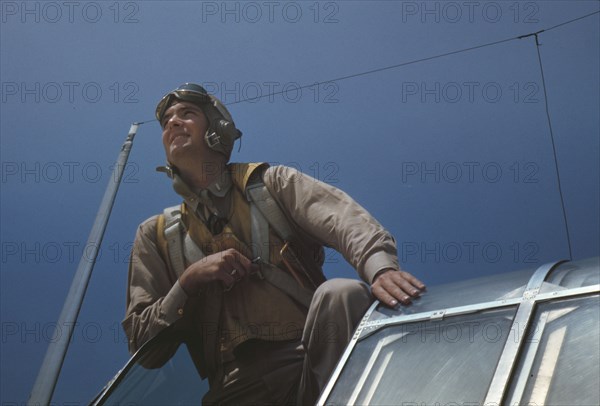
(188,92)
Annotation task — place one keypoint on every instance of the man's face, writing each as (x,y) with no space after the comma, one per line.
(184,126)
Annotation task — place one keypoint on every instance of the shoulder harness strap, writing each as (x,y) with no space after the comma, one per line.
(180,246)
(265,211)
(268,208)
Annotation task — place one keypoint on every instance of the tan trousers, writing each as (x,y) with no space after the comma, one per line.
(295,373)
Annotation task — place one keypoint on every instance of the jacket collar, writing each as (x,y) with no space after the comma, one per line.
(219,188)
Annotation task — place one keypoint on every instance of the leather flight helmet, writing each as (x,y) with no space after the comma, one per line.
(221,133)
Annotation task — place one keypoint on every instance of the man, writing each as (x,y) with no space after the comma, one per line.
(240,261)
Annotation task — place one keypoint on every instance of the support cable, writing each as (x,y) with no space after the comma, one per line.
(562,200)
(369,72)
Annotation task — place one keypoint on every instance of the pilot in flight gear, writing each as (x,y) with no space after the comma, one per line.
(239,262)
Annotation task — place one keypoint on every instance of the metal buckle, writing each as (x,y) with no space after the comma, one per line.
(212,139)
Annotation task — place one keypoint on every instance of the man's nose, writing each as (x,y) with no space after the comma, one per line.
(173,121)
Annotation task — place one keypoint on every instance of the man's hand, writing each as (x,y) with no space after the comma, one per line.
(228,266)
(391,286)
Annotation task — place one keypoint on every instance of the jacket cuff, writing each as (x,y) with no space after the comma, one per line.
(173,304)
(377,262)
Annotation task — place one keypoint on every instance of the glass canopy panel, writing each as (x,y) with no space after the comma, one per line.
(559,365)
(164,375)
(451,360)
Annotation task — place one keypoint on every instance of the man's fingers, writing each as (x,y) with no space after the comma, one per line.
(228,281)
(383,296)
(397,283)
(413,281)
(400,280)
(390,294)
(238,262)
(235,266)
(397,286)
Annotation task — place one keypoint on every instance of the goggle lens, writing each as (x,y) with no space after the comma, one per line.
(188,92)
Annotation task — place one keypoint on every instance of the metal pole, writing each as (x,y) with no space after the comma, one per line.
(55,354)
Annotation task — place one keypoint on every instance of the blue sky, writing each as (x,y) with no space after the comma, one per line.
(452,154)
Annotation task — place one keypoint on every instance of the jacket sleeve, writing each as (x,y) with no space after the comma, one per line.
(334,219)
(155,299)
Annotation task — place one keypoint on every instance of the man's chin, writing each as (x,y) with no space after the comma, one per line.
(177,149)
